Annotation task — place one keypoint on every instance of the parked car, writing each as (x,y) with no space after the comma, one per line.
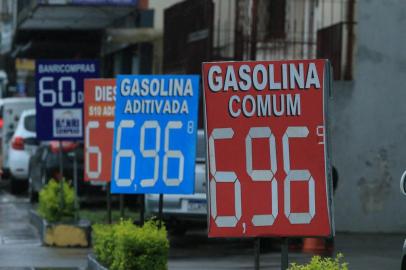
(44,165)
(10,110)
(23,145)
(183,211)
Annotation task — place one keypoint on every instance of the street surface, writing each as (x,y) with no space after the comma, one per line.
(20,248)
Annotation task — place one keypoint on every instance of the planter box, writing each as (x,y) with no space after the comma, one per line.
(93,264)
(75,234)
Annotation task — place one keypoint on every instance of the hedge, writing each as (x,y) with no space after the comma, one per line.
(124,246)
(50,207)
(319,263)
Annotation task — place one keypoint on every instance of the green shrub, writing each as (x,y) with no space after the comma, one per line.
(103,243)
(318,263)
(124,246)
(50,206)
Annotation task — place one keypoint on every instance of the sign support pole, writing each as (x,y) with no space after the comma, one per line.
(61,172)
(142,210)
(161,206)
(108,201)
(75,184)
(257,247)
(285,253)
(121,205)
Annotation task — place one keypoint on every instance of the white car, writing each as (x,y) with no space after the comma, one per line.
(23,145)
(10,110)
(182,211)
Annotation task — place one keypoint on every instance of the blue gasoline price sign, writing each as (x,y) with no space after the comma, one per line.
(155,134)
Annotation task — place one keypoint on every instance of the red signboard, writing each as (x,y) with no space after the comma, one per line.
(268,171)
(99,123)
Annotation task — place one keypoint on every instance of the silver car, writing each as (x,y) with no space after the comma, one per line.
(182,210)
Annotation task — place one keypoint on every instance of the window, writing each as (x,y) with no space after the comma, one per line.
(29,123)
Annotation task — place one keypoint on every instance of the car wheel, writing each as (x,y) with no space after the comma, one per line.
(178,229)
(15,186)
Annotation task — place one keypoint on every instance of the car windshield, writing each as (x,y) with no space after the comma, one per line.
(29,123)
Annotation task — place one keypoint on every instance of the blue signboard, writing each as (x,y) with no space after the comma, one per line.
(155,132)
(59,97)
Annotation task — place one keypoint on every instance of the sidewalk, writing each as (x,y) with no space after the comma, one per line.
(361,251)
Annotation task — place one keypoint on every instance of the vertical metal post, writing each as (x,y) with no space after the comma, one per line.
(108,200)
(75,184)
(161,206)
(350,49)
(253,52)
(257,250)
(62,201)
(238,40)
(142,210)
(285,253)
(122,205)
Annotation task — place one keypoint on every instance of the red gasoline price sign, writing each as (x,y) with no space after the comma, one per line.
(268,171)
(99,123)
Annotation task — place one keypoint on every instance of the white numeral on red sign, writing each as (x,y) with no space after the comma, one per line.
(260,175)
(124,153)
(94,150)
(149,153)
(297,175)
(223,177)
(263,175)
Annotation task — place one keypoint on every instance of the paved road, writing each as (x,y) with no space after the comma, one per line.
(20,248)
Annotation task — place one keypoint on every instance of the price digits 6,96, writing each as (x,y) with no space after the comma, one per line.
(262,176)
(151,153)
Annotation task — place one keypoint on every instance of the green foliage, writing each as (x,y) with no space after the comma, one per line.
(124,246)
(318,263)
(50,206)
(103,243)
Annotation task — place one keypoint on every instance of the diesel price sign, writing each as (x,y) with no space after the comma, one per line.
(155,134)
(99,124)
(268,171)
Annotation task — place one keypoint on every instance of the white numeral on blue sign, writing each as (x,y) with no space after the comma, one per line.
(149,153)
(43,93)
(48,96)
(71,82)
(172,154)
(150,182)
(124,153)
